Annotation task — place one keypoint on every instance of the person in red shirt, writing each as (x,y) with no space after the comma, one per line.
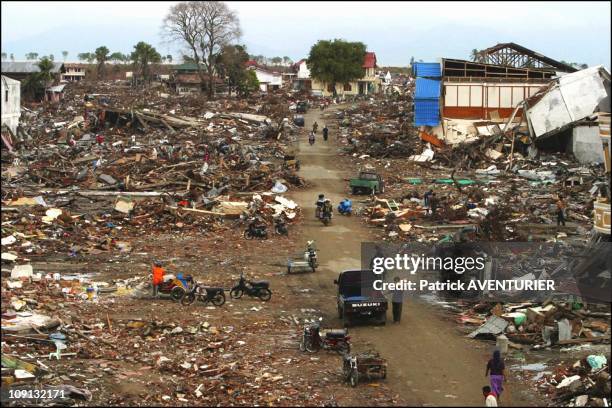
(158,276)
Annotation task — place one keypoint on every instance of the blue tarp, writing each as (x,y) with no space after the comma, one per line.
(427,69)
(426,112)
(427,89)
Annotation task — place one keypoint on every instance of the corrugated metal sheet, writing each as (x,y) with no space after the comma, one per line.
(26,67)
(427,89)
(427,69)
(426,112)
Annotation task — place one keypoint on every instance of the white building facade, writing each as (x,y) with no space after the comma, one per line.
(11,103)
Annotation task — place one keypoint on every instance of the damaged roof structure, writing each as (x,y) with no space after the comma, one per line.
(517,56)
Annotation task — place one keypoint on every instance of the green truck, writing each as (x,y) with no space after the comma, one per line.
(368,182)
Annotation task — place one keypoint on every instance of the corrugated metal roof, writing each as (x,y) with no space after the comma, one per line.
(426,112)
(427,89)
(427,69)
(27,67)
(9,81)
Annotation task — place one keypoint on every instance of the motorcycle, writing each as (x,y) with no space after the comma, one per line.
(205,295)
(336,340)
(280,227)
(256,232)
(326,217)
(176,287)
(259,289)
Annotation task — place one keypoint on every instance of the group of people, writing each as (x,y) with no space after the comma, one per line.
(315,127)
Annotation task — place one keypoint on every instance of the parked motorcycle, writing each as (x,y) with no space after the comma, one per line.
(256,232)
(280,227)
(204,294)
(259,289)
(336,340)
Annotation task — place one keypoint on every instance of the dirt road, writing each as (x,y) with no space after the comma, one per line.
(430,362)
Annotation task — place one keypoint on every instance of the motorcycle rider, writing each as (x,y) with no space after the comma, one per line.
(311,138)
(327,208)
(319,205)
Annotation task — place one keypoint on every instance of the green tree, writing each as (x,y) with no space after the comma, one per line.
(34,85)
(87,56)
(101,54)
(169,58)
(46,65)
(336,61)
(143,55)
(51,57)
(116,57)
(277,60)
(65,55)
(4,56)
(231,64)
(12,57)
(31,56)
(250,83)
(287,60)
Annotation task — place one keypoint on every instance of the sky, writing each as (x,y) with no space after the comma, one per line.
(570,31)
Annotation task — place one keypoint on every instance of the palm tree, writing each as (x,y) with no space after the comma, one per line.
(169,58)
(143,55)
(12,57)
(65,55)
(3,56)
(101,55)
(287,60)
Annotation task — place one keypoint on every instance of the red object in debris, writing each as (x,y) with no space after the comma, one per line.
(183,203)
(100,139)
(427,137)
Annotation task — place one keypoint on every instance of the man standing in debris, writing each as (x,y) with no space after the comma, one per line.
(315,126)
(561,211)
(325,132)
(433,203)
(426,197)
(490,397)
(397,301)
(158,276)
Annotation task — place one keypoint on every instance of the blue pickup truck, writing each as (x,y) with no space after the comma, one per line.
(357,298)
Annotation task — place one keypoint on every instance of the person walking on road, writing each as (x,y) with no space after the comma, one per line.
(315,126)
(325,132)
(561,211)
(496,368)
(311,138)
(397,301)
(490,397)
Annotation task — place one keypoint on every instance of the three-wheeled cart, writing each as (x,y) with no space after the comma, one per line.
(363,366)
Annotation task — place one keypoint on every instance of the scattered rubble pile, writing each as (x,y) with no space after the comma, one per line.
(585,382)
(538,325)
(87,174)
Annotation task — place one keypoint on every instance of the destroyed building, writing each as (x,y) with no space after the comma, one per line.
(20,70)
(11,103)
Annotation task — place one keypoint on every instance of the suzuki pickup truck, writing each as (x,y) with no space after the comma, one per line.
(357,298)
